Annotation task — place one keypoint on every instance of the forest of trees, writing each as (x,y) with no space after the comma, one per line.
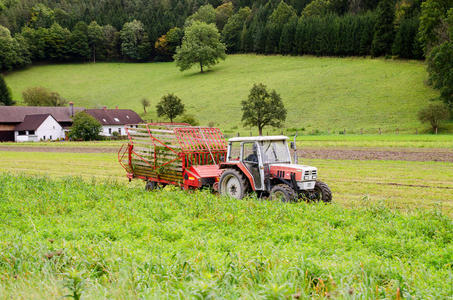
(111,30)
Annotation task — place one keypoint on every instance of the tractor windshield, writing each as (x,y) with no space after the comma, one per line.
(275,152)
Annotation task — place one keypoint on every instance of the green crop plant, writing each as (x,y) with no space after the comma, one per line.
(107,240)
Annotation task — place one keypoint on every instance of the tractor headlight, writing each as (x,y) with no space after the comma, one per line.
(306,177)
(313,177)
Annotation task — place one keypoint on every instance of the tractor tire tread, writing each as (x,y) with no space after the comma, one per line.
(287,190)
(325,191)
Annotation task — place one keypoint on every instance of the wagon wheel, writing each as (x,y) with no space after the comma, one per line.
(233,184)
(151,185)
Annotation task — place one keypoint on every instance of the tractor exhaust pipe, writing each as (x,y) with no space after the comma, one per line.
(296,160)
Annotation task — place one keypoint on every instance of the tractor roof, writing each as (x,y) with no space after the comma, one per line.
(258,138)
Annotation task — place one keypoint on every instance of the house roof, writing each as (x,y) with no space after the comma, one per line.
(32,122)
(16,114)
(115,116)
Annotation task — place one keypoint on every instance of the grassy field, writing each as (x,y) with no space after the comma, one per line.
(396,184)
(324,94)
(428,141)
(72,238)
(378,141)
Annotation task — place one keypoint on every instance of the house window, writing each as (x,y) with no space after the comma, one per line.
(116,120)
(44,137)
(105,121)
(22,132)
(110,130)
(119,131)
(50,137)
(31,132)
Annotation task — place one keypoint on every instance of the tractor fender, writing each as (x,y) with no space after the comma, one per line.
(240,167)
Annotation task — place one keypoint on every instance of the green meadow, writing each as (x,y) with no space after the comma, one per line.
(321,94)
(401,185)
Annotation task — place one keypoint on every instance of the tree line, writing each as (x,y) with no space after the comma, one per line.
(113,30)
(57,32)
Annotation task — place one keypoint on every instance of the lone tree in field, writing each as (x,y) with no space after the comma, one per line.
(85,127)
(170,106)
(263,108)
(434,114)
(200,45)
(5,93)
(145,103)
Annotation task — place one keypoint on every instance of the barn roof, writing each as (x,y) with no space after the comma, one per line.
(32,122)
(115,116)
(16,114)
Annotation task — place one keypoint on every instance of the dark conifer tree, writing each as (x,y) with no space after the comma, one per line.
(5,94)
(383,30)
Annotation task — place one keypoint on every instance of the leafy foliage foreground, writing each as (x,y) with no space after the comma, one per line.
(69,237)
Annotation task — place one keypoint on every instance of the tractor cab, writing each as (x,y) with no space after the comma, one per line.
(264,165)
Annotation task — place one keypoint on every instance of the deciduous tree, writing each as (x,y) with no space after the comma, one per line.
(80,47)
(222,14)
(95,38)
(200,45)
(434,114)
(434,22)
(145,103)
(263,108)
(13,50)
(170,106)
(85,127)
(134,41)
(40,96)
(205,13)
(231,33)
(440,69)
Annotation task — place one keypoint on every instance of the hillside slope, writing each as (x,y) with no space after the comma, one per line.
(320,93)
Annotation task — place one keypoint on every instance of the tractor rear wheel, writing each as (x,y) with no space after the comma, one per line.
(283,192)
(233,184)
(322,192)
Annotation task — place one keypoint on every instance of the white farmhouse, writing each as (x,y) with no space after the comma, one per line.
(114,120)
(38,127)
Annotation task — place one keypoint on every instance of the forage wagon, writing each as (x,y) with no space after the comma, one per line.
(197,157)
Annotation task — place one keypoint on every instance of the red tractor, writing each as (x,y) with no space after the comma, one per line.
(263,165)
(197,157)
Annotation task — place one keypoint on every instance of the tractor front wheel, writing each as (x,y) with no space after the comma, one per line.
(283,192)
(322,192)
(233,184)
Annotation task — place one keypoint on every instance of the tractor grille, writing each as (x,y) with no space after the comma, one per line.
(310,175)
